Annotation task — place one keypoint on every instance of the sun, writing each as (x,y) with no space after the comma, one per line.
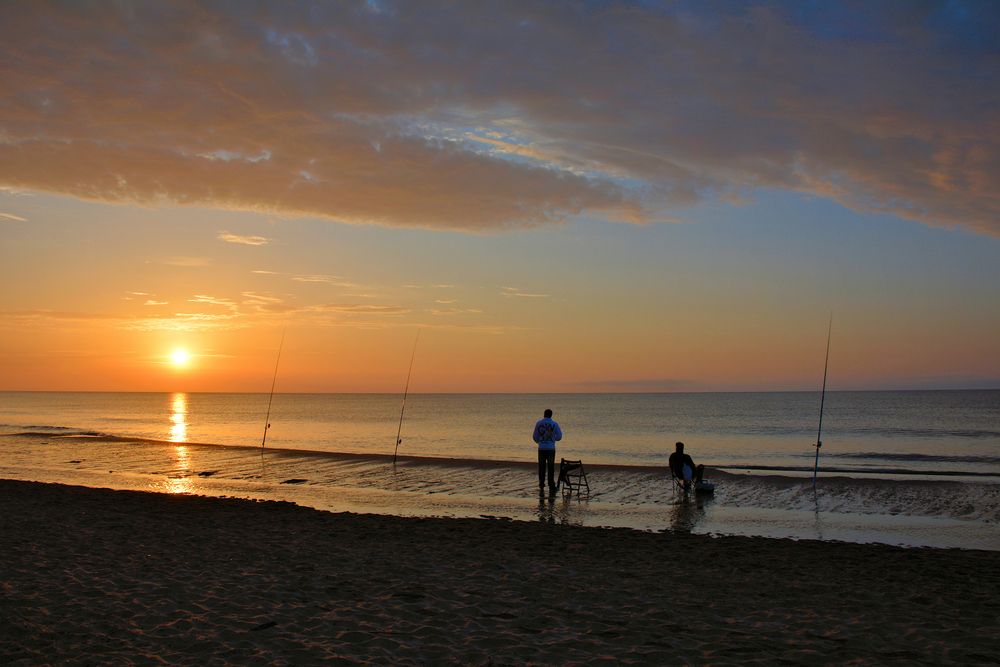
(180,358)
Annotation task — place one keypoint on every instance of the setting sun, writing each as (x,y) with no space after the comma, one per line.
(180,358)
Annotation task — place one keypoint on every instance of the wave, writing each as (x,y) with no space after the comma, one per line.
(932,458)
(918,432)
(37,427)
(867,471)
(855,431)
(55,431)
(621,494)
(967,500)
(798,471)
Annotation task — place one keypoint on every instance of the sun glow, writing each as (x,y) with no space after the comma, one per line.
(180,358)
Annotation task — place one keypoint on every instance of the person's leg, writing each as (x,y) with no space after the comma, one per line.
(541,469)
(551,465)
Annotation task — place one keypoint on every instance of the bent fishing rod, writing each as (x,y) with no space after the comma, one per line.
(822,399)
(406,390)
(267,418)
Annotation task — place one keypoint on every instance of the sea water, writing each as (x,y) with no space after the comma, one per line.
(914,467)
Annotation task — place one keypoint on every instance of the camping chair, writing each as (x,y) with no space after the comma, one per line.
(704,486)
(678,482)
(573,476)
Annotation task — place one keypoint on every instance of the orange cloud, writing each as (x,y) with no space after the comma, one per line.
(238,239)
(487,117)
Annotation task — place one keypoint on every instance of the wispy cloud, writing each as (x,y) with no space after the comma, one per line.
(42,314)
(442,312)
(515,292)
(11,216)
(316,278)
(266,303)
(359,308)
(256,297)
(153,302)
(187,262)
(188,322)
(213,301)
(400,117)
(238,239)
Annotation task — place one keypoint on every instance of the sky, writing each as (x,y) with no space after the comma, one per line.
(524,197)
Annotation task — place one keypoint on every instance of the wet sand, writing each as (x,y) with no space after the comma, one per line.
(93,576)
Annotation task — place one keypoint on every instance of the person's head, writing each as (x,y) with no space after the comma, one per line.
(548,414)
(680,447)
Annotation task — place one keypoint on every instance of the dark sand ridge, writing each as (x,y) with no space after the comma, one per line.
(93,576)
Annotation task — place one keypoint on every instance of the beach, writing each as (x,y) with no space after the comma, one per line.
(95,576)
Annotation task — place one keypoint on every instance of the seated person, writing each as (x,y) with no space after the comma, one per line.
(684,469)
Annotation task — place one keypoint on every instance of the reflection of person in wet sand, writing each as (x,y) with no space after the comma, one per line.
(550,512)
(686,513)
(683,467)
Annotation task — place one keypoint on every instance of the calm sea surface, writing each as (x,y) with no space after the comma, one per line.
(921,432)
(915,467)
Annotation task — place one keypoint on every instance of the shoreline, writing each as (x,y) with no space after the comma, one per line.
(795,472)
(125,576)
(941,513)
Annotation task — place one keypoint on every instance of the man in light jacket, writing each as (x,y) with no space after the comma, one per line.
(546,434)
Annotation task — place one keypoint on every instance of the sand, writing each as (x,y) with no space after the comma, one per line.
(92,576)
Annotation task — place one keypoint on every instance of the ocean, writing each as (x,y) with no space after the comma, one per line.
(918,468)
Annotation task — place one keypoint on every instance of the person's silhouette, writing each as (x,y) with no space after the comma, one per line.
(683,467)
(546,434)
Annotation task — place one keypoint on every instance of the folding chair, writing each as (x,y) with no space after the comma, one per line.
(572,477)
(678,483)
(704,486)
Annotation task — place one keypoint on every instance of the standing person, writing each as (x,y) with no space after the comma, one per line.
(546,434)
(683,467)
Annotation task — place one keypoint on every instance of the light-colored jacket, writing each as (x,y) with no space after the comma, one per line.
(546,433)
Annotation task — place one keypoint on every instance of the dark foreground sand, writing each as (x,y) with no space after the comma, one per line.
(94,576)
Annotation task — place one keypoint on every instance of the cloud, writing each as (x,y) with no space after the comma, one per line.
(187,262)
(243,240)
(257,298)
(362,309)
(266,303)
(11,216)
(153,302)
(513,291)
(46,315)
(444,312)
(316,278)
(491,116)
(213,301)
(187,322)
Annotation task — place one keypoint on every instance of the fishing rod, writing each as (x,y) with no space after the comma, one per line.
(822,399)
(267,419)
(406,390)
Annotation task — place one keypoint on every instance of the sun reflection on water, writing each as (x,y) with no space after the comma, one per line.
(179,480)
(178,418)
